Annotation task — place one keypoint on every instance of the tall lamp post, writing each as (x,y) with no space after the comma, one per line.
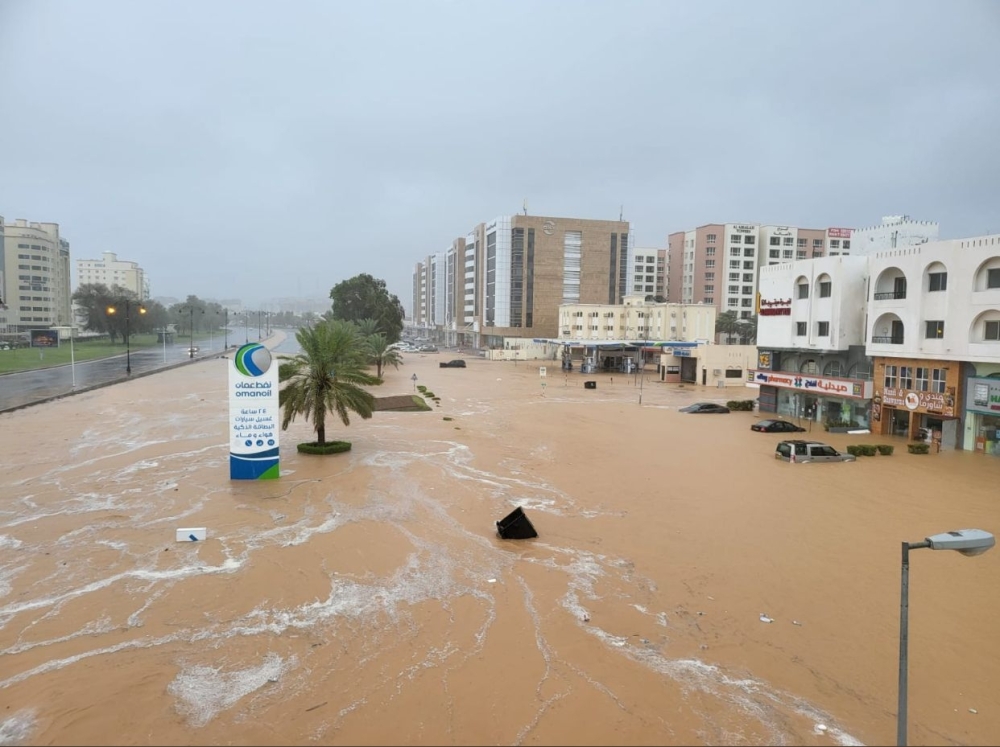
(128,344)
(259,317)
(966,541)
(227,329)
(246,326)
(191,346)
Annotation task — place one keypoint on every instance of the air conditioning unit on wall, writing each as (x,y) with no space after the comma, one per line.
(716,372)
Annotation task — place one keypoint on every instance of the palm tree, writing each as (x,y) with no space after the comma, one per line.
(381,354)
(326,377)
(727,323)
(367,327)
(747,330)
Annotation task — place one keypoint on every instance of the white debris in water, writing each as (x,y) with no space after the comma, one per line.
(765,619)
(9,543)
(204,692)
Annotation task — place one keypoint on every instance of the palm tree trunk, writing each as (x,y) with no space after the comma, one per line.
(378,367)
(321,435)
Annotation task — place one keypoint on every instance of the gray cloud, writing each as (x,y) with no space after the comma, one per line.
(277,150)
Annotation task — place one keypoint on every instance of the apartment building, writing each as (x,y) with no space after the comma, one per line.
(636,319)
(34,277)
(933,333)
(507,277)
(811,358)
(648,274)
(111,271)
(719,263)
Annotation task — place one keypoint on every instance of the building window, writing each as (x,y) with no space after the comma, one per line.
(709,263)
(711,238)
(709,289)
(747,277)
(734,289)
(709,276)
(710,252)
(748,252)
(775,241)
(747,290)
(734,251)
(835,243)
(992,332)
(733,302)
(800,329)
(938,380)
(788,241)
(746,302)
(786,254)
(803,290)
(748,265)
(993,278)
(708,300)
(734,238)
(832,369)
(935,330)
(749,240)
(922,378)
(847,245)
(823,329)
(734,276)
(734,373)
(938,281)
(734,264)
(890,377)
(817,244)
(825,289)
(906,377)
(775,254)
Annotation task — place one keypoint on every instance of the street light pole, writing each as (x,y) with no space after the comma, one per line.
(259,335)
(966,541)
(72,354)
(227,329)
(246,326)
(111,310)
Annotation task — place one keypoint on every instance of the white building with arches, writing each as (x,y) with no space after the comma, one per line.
(811,341)
(933,331)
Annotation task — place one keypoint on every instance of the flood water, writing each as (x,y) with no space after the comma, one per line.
(365,598)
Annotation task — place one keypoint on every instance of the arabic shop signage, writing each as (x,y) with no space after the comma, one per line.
(777,307)
(839,233)
(934,403)
(983,395)
(253,414)
(821,385)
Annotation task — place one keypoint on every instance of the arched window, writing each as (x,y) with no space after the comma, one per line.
(832,369)
(861,370)
(809,367)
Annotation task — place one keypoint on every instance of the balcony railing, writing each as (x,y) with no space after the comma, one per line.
(890,340)
(890,296)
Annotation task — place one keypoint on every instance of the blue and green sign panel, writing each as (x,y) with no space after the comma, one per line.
(253,414)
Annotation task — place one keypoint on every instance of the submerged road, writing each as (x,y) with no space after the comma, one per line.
(26,387)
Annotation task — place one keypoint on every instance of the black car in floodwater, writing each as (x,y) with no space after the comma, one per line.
(458,363)
(704,408)
(776,426)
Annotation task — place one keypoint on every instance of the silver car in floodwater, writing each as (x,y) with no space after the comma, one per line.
(800,452)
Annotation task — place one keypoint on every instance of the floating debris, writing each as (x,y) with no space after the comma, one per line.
(765,619)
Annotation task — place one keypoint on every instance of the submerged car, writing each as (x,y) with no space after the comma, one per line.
(775,426)
(802,452)
(704,408)
(452,364)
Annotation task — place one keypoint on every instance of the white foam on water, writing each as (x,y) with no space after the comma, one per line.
(9,543)
(7,575)
(17,728)
(204,692)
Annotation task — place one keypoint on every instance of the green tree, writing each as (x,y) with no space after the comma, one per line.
(727,323)
(367,327)
(366,297)
(93,300)
(326,376)
(381,354)
(747,330)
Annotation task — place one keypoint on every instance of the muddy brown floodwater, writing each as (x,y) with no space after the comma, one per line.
(364,598)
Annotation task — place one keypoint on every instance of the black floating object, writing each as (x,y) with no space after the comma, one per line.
(516,526)
(590,385)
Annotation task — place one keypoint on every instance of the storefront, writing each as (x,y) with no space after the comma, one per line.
(914,397)
(982,416)
(839,403)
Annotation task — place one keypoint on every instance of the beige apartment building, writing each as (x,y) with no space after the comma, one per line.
(111,271)
(636,320)
(34,277)
(719,263)
(508,277)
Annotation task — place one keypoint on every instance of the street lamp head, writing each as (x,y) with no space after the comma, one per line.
(111,310)
(142,309)
(966,541)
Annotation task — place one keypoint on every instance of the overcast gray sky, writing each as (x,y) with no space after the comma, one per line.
(260,149)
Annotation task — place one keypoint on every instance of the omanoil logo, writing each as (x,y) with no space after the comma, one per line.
(252,360)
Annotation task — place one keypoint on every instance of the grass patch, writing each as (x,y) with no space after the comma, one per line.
(330,447)
(401,403)
(447,418)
